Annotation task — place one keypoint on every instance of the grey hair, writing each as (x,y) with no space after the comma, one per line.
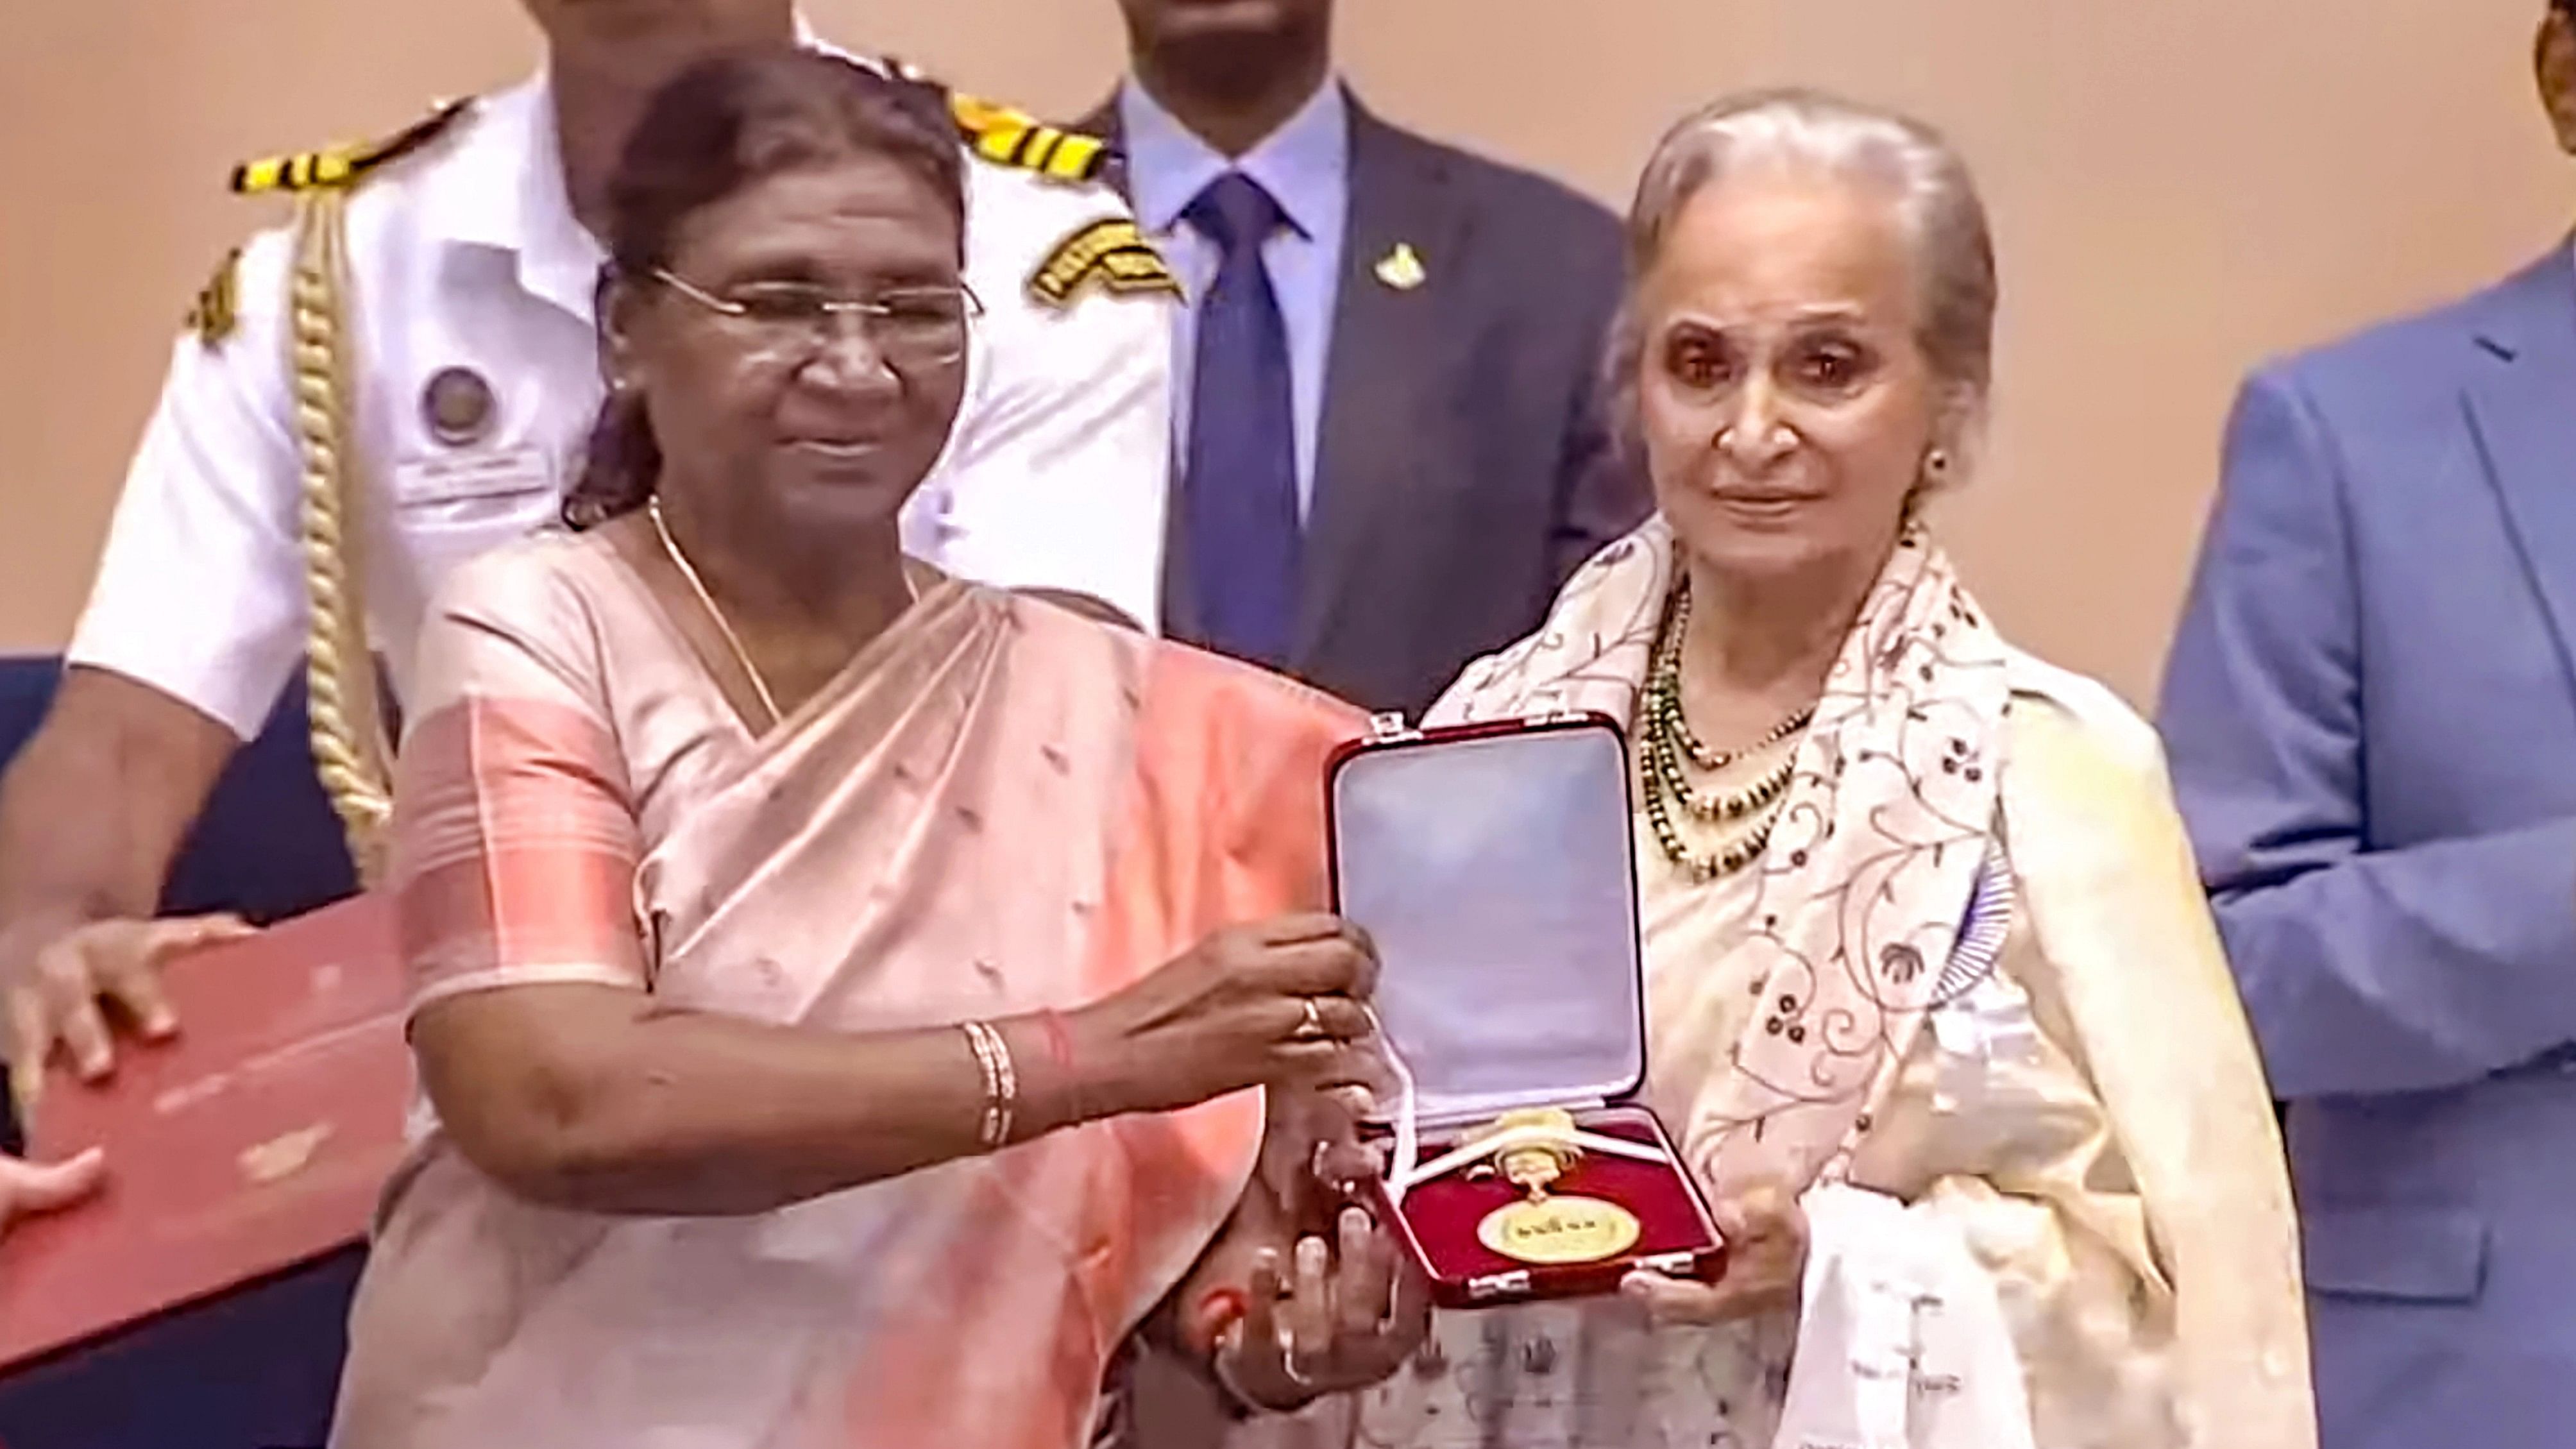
(1936,202)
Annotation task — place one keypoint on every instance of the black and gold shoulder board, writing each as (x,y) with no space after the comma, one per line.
(1007,137)
(1110,252)
(342,165)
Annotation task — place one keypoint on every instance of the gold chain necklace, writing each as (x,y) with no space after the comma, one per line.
(741,656)
(1668,742)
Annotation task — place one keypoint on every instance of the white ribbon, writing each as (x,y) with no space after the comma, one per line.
(1407,1168)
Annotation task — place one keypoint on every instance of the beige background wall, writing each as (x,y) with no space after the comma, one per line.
(2180,187)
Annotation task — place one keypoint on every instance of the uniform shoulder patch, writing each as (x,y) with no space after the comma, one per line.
(217,308)
(1110,253)
(343,165)
(1007,137)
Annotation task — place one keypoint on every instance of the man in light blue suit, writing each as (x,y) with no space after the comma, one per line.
(2371,716)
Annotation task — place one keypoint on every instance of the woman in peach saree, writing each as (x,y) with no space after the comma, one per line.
(839,990)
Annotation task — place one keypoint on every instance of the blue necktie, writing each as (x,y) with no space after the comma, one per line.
(1239,480)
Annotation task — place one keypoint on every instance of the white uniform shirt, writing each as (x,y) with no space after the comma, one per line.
(467,255)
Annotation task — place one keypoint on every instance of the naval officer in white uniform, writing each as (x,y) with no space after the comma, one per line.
(470,373)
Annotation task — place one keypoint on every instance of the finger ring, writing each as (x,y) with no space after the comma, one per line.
(1312,1028)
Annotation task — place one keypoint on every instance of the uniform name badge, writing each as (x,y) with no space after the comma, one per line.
(463,477)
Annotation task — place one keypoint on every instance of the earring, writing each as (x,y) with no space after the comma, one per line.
(1936,464)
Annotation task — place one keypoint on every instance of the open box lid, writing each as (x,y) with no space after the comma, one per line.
(1493,866)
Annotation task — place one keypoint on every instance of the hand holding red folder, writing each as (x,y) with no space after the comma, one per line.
(59,995)
(256,1138)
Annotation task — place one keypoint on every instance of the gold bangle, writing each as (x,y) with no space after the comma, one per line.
(1001,1083)
(990,1133)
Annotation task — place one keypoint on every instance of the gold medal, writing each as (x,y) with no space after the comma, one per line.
(1559,1230)
(1543,1228)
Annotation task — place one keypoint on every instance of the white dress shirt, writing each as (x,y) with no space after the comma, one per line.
(1305,165)
(467,255)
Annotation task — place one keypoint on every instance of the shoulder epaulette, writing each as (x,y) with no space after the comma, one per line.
(1007,137)
(342,165)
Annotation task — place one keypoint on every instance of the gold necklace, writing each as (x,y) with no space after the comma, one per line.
(741,656)
(1668,741)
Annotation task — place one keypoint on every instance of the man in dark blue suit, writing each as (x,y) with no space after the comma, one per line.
(1389,447)
(2371,715)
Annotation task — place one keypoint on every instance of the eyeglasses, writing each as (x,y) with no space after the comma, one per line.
(907,325)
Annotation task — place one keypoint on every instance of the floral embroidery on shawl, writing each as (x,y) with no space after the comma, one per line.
(1870,871)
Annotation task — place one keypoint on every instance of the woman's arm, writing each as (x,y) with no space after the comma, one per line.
(555,1068)
(2128,974)
(596,1097)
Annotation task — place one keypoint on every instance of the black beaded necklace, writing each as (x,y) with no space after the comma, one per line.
(1668,741)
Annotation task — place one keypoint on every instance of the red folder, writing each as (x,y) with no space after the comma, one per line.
(254,1141)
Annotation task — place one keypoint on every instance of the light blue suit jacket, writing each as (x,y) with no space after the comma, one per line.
(2371,715)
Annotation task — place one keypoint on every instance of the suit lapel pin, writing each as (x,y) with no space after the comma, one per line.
(1402,268)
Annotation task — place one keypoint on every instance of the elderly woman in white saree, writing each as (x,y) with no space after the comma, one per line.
(1935,1010)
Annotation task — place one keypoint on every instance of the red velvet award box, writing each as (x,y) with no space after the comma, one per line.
(1493,866)
(254,1141)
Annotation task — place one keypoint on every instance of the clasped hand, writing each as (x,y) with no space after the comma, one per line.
(1342,1316)
(1290,1315)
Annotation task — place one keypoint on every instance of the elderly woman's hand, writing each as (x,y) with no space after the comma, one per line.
(1766,1260)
